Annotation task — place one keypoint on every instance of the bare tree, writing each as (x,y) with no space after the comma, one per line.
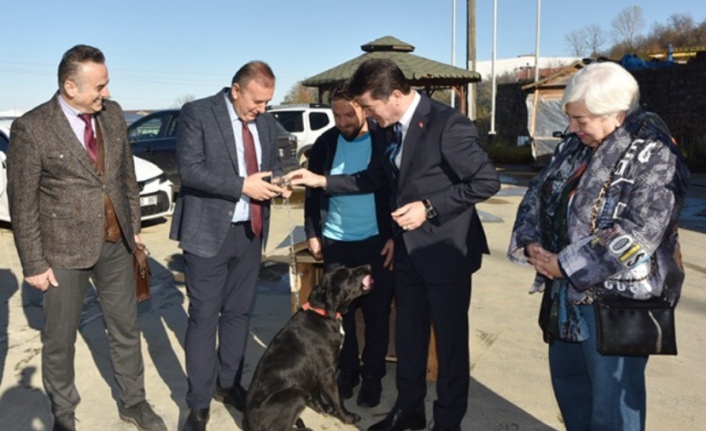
(300,94)
(595,39)
(586,42)
(577,43)
(627,25)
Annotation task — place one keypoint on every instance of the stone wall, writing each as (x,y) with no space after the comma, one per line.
(510,115)
(677,94)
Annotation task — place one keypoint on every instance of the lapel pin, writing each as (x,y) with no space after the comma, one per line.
(421,125)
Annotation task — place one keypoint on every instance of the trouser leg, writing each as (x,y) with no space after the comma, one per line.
(375,305)
(413,325)
(449,307)
(62,311)
(114,280)
(376,314)
(238,303)
(210,288)
(619,394)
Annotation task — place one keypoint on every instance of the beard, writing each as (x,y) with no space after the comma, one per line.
(350,134)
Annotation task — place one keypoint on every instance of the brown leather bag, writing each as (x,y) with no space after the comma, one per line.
(142,272)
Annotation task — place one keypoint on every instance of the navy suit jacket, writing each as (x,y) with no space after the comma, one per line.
(442,161)
(211,183)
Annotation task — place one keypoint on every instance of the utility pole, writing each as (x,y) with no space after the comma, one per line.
(453,47)
(493,84)
(471,55)
(536,45)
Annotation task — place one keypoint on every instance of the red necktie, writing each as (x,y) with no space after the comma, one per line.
(251,168)
(89,138)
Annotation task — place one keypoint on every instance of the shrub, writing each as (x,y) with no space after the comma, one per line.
(505,154)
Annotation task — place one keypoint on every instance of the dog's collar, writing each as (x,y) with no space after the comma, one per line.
(320,311)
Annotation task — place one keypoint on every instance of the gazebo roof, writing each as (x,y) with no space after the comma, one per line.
(418,70)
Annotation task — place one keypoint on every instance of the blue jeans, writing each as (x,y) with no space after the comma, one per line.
(597,392)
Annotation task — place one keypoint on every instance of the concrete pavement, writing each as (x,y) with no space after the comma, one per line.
(510,388)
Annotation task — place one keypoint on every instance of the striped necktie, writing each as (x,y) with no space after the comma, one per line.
(89,137)
(394,147)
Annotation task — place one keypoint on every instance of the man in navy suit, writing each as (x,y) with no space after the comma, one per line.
(226,151)
(437,172)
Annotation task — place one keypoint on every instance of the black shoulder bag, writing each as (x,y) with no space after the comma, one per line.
(632,327)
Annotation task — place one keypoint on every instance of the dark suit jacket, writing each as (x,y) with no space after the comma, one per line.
(316,203)
(56,195)
(210,181)
(441,161)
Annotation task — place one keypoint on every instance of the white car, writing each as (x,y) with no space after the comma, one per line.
(155,189)
(305,121)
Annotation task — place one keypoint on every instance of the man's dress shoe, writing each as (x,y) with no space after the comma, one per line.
(197,420)
(234,396)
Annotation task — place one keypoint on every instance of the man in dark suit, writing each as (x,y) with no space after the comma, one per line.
(226,152)
(438,172)
(353,230)
(76,215)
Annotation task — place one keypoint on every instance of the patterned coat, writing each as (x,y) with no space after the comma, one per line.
(633,251)
(56,195)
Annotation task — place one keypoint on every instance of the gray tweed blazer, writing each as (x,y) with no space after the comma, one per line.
(56,195)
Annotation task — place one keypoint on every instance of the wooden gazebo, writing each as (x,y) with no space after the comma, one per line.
(421,72)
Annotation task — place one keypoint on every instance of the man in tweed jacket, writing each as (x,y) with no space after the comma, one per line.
(75,215)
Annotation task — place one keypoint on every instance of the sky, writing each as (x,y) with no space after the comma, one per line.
(160,52)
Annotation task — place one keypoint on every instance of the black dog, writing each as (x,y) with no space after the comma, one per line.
(299,366)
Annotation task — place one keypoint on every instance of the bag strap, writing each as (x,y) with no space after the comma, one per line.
(597,206)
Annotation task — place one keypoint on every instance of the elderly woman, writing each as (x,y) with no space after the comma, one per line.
(615,179)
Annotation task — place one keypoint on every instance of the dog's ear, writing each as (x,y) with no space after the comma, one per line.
(327,294)
(323,295)
(317,297)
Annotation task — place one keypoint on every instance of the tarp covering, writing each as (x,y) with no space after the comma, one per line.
(549,118)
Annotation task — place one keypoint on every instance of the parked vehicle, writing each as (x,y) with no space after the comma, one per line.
(155,189)
(153,138)
(306,121)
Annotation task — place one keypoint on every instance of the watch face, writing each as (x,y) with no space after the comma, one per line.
(431,212)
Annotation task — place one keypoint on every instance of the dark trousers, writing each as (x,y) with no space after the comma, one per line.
(419,304)
(375,305)
(114,282)
(221,291)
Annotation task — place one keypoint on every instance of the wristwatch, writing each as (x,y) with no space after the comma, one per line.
(431,212)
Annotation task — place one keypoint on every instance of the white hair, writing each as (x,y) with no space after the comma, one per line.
(606,89)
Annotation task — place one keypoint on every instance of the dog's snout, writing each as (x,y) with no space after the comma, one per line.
(367,282)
